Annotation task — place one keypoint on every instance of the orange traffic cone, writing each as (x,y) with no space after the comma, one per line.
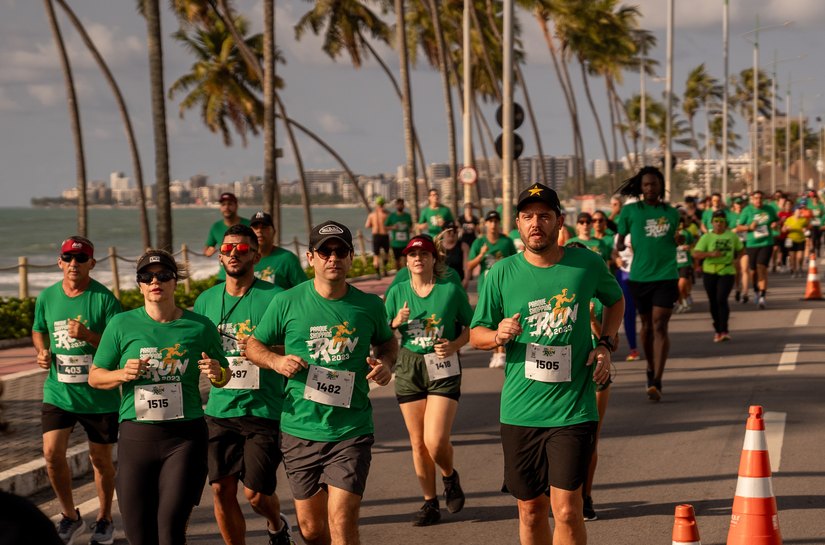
(685,530)
(754,520)
(812,289)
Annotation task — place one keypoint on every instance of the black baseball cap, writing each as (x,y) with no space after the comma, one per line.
(261,217)
(492,215)
(539,193)
(447,225)
(153,257)
(227,196)
(719,214)
(329,230)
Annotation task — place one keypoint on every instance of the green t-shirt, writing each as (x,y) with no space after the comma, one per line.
(403,276)
(592,244)
(497,251)
(173,349)
(608,241)
(434,218)
(817,212)
(684,258)
(67,385)
(336,335)
(235,319)
(401,226)
(763,217)
(281,267)
(554,303)
(727,243)
(652,230)
(217,231)
(433,317)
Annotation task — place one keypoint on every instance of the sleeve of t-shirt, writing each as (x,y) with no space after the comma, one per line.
(211,240)
(200,304)
(623,223)
(295,272)
(489,311)
(113,307)
(107,355)
(382,333)
(702,245)
(738,245)
(214,346)
(39,325)
(448,216)
(391,303)
(608,290)
(744,217)
(422,218)
(475,248)
(389,220)
(270,330)
(511,246)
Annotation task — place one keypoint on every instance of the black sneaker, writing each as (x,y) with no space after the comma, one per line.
(282,536)
(737,296)
(102,532)
(453,494)
(428,515)
(67,528)
(588,511)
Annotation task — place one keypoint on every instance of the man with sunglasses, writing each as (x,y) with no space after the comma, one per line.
(244,416)
(229,211)
(277,265)
(327,327)
(69,318)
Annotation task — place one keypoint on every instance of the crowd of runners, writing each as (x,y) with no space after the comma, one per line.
(291,360)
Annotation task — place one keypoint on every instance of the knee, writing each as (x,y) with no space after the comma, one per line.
(534,512)
(419,446)
(567,513)
(256,500)
(312,529)
(438,447)
(54,456)
(102,461)
(225,488)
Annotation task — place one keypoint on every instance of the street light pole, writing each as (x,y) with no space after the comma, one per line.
(466,121)
(773,115)
(725,100)
(754,142)
(507,119)
(669,99)
(644,113)
(801,144)
(788,137)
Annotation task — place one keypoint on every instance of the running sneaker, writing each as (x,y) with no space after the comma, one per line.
(737,296)
(498,360)
(717,337)
(453,494)
(654,393)
(428,515)
(745,298)
(679,308)
(282,536)
(762,302)
(588,511)
(633,355)
(67,528)
(103,532)
(725,336)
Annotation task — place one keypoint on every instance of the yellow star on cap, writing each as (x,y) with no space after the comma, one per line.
(535,190)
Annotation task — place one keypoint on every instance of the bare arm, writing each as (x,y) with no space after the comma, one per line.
(208,251)
(266,358)
(82,333)
(485,338)
(41,345)
(387,352)
(105,379)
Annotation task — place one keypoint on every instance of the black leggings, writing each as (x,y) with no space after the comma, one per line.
(161,472)
(718,289)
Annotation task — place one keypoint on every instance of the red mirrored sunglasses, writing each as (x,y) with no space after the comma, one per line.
(241,248)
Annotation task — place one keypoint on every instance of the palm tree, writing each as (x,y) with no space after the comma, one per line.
(272,196)
(657,123)
(406,100)
(701,91)
(74,118)
(742,98)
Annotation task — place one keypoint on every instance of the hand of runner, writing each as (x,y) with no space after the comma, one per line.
(444,348)
(209,367)
(508,329)
(289,365)
(483,249)
(379,374)
(602,356)
(402,316)
(77,330)
(44,358)
(134,368)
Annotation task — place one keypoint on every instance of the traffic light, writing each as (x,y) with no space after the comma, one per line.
(518,119)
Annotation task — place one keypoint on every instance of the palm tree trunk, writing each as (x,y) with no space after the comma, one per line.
(485,57)
(299,165)
(272,195)
(619,111)
(406,100)
(581,170)
(481,123)
(532,114)
(155,49)
(614,178)
(74,119)
(595,115)
(124,113)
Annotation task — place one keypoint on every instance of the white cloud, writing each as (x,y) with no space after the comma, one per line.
(47,95)
(699,13)
(6,103)
(332,123)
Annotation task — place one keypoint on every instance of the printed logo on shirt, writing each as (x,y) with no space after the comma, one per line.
(553,316)
(425,332)
(723,245)
(761,218)
(61,334)
(165,364)
(657,227)
(266,274)
(232,334)
(336,343)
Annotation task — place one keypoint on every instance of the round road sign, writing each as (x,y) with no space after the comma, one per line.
(468,175)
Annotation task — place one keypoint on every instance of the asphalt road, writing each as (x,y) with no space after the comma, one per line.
(653,457)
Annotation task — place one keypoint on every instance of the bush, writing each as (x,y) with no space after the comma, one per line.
(16,317)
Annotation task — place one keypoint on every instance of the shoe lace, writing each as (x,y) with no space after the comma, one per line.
(65,524)
(100,526)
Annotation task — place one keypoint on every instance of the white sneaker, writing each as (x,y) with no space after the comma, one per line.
(498,360)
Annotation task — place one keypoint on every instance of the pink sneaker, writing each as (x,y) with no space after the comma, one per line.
(633,356)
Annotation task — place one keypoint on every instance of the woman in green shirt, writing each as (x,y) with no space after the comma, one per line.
(156,354)
(433,316)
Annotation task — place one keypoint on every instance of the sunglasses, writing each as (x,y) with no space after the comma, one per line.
(80,258)
(340,252)
(598,221)
(584,222)
(241,248)
(162,276)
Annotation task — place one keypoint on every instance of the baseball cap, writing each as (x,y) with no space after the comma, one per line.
(539,193)
(153,257)
(329,230)
(76,245)
(584,216)
(492,215)
(420,242)
(719,214)
(261,217)
(227,196)
(448,225)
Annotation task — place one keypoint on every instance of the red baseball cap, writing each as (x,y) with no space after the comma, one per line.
(227,196)
(77,245)
(420,242)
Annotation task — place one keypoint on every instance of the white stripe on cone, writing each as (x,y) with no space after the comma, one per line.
(814,277)
(755,440)
(754,487)
(687,543)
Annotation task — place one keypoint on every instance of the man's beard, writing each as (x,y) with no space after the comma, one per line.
(240,273)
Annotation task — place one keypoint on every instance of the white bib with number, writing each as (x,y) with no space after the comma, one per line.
(401,236)
(788,243)
(159,401)
(761,231)
(547,363)
(681,256)
(245,374)
(329,386)
(73,369)
(438,368)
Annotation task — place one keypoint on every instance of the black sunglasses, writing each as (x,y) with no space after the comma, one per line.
(325,252)
(80,258)
(162,276)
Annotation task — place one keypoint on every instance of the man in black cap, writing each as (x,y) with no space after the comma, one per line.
(536,304)
(229,211)
(327,327)
(277,265)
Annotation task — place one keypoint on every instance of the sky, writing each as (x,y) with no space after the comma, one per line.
(356,111)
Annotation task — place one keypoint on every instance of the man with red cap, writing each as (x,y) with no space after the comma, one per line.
(69,318)
(229,211)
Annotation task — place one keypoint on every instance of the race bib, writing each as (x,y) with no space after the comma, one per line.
(438,368)
(245,374)
(73,369)
(159,401)
(816,222)
(329,386)
(547,363)
(401,236)
(681,257)
(788,243)
(761,231)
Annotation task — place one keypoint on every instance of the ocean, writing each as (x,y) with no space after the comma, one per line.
(36,233)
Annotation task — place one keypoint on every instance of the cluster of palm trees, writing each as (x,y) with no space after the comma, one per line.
(233,83)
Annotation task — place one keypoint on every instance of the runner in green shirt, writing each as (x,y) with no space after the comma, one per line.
(606,236)
(155,354)
(537,305)
(758,221)
(277,265)
(327,327)
(716,203)
(434,216)
(817,216)
(584,223)
(400,224)
(684,266)
(69,318)
(229,211)
(653,226)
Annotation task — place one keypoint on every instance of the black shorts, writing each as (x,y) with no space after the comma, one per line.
(100,427)
(687,272)
(797,247)
(537,458)
(314,465)
(759,256)
(380,242)
(396,252)
(646,295)
(247,447)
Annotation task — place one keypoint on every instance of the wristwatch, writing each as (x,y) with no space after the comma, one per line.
(607,342)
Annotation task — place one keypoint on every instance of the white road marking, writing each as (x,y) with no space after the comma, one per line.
(775,434)
(803,317)
(787,362)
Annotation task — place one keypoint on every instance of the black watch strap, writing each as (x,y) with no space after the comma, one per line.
(607,341)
